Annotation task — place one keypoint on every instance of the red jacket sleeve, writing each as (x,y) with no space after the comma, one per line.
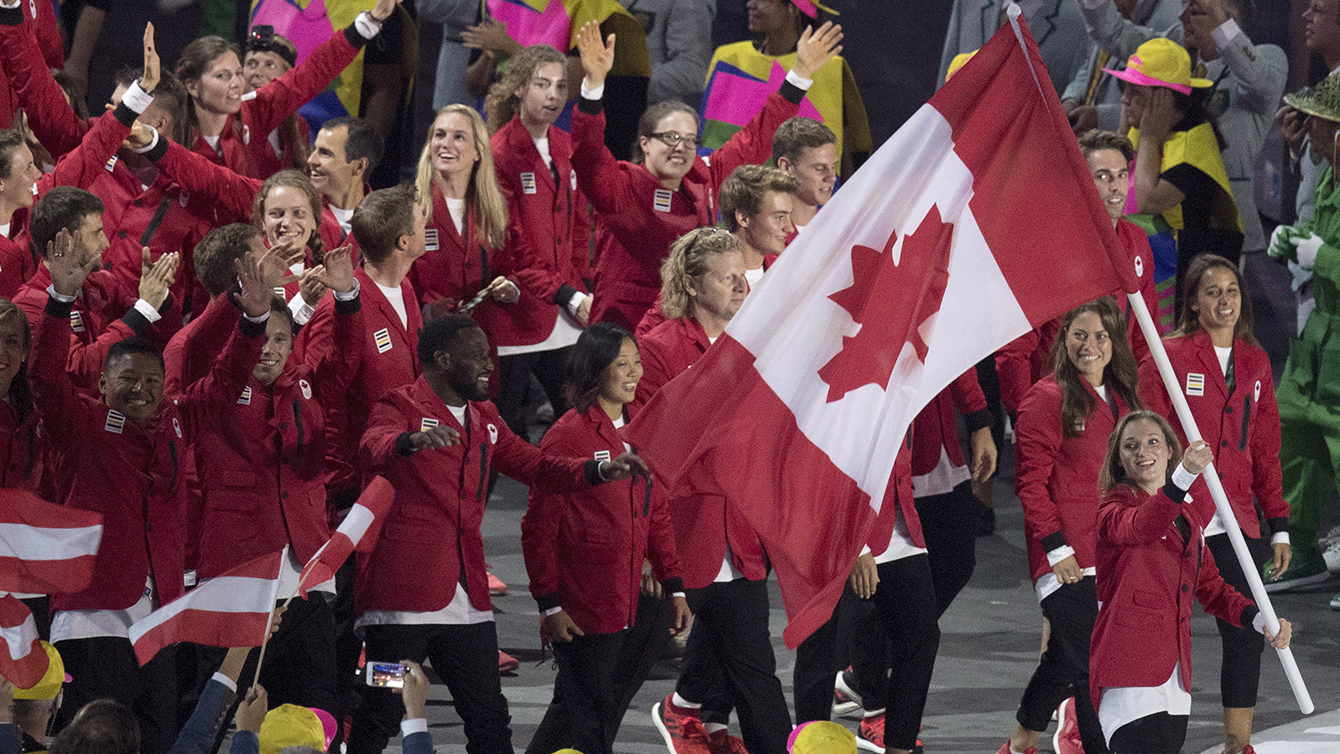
(51,118)
(228,377)
(661,539)
(201,177)
(182,355)
(1153,394)
(602,178)
(1121,523)
(752,145)
(1014,368)
(47,28)
(525,463)
(655,374)
(1037,438)
(1267,480)
(283,96)
(386,423)
(581,236)
(81,166)
(970,401)
(333,371)
(1219,598)
(53,392)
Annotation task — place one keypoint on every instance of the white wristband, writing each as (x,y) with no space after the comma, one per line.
(367,26)
(589,92)
(575,302)
(553,611)
(798,81)
(1183,478)
(1259,623)
(149,312)
(150,146)
(136,98)
(1059,554)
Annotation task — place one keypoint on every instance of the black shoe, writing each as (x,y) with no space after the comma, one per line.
(986,525)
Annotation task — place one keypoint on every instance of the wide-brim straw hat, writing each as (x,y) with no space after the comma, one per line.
(1322,100)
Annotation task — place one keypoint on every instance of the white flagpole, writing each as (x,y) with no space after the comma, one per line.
(1226,515)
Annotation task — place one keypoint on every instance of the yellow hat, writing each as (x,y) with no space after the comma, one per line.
(958,62)
(50,685)
(821,737)
(1161,62)
(290,725)
(567,751)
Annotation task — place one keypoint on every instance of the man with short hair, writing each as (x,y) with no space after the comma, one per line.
(807,149)
(345,153)
(756,204)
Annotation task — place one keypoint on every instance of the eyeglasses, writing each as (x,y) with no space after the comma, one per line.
(672,139)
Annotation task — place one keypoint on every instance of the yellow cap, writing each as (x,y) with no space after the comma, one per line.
(290,725)
(50,685)
(958,62)
(821,737)
(1161,62)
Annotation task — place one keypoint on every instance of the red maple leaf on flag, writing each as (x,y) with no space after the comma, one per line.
(891,301)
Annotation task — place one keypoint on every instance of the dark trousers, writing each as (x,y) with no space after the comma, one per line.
(729,663)
(1240,672)
(598,676)
(466,658)
(40,607)
(106,668)
(949,523)
(1063,670)
(1159,733)
(549,367)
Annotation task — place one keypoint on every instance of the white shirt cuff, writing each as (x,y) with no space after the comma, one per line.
(1183,478)
(366,25)
(226,681)
(417,725)
(1225,33)
(61,297)
(350,296)
(865,550)
(592,93)
(798,81)
(14,4)
(1279,538)
(300,310)
(552,611)
(575,302)
(152,143)
(679,594)
(259,319)
(136,98)
(1259,623)
(1059,554)
(148,310)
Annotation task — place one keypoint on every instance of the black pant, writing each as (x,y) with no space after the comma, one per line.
(549,367)
(729,663)
(1063,670)
(40,607)
(818,659)
(1159,733)
(105,667)
(466,658)
(1240,672)
(949,523)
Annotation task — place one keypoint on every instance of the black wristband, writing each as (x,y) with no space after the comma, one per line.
(137,321)
(348,307)
(564,295)
(978,420)
(791,93)
(592,472)
(12,16)
(672,585)
(548,602)
(1054,540)
(355,39)
(252,329)
(57,308)
(403,446)
(1174,493)
(591,106)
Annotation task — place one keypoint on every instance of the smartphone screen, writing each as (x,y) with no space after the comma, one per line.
(388,675)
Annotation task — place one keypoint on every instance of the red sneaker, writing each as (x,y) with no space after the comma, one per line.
(1067,740)
(1246,750)
(722,742)
(1005,749)
(681,728)
(496,586)
(870,737)
(507,663)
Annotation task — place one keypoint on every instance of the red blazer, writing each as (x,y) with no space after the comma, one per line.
(1147,578)
(548,250)
(262,454)
(1056,477)
(433,525)
(92,331)
(1023,361)
(384,357)
(1243,427)
(584,550)
(17,265)
(936,426)
(639,219)
(1136,243)
(128,473)
(244,145)
(898,497)
(35,22)
(453,269)
(22,450)
(704,525)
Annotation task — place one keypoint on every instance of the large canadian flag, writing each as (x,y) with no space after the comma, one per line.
(45,548)
(974,223)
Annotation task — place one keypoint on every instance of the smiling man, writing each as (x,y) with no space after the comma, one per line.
(756,203)
(345,152)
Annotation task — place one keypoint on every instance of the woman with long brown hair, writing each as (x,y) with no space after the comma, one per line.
(232,127)
(1064,422)
(1226,378)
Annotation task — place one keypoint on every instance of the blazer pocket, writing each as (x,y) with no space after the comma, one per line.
(245,479)
(1146,598)
(1143,620)
(398,531)
(223,501)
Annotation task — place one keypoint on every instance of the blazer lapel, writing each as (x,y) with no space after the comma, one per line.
(1209,361)
(1046,22)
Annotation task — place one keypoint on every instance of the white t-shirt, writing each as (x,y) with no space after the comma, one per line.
(456,207)
(1119,706)
(67,625)
(4,230)
(396,298)
(542,144)
(213,141)
(343,216)
(753,276)
(1223,354)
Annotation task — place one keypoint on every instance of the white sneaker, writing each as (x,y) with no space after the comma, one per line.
(1331,536)
(1331,554)
(846,702)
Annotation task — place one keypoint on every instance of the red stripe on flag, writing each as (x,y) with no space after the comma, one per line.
(212,629)
(987,107)
(802,510)
(359,528)
(46,576)
(61,536)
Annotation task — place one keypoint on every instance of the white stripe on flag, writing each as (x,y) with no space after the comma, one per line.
(793,339)
(224,594)
(20,638)
(356,523)
(39,543)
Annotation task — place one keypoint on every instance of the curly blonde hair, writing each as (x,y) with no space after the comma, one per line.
(688,258)
(483,198)
(502,104)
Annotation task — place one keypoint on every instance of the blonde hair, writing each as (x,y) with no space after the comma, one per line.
(502,104)
(688,258)
(483,198)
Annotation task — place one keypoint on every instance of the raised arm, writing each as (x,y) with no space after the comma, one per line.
(51,118)
(600,175)
(201,177)
(53,392)
(331,367)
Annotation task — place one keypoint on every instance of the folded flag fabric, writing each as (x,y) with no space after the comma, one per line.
(22,660)
(976,222)
(232,610)
(45,548)
(364,516)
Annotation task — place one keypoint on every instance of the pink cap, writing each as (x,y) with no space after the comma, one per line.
(1136,77)
(328,726)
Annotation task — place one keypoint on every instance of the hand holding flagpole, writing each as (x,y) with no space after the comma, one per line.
(1221,504)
